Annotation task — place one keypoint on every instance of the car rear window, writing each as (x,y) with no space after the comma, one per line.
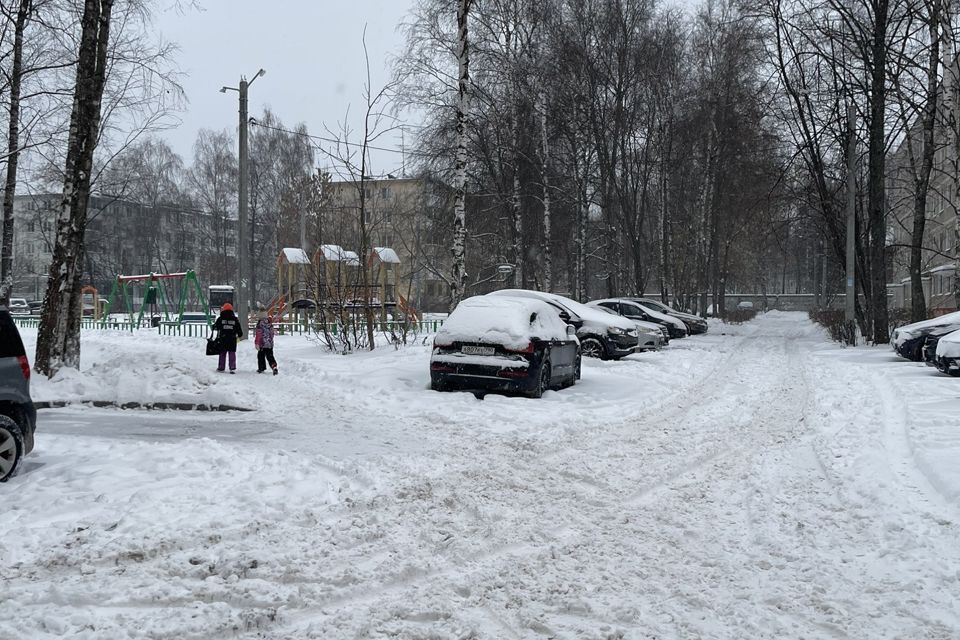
(11,346)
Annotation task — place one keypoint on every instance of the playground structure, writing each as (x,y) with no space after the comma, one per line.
(332,282)
(156,295)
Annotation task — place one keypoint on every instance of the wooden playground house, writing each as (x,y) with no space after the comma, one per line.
(332,281)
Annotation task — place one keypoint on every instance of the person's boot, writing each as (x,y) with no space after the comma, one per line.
(275,372)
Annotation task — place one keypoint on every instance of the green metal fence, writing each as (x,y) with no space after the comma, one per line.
(199,330)
(33,322)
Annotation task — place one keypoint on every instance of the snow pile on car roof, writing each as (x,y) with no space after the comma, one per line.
(906,332)
(510,322)
(949,346)
(587,313)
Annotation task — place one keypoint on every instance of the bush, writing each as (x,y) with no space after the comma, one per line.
(739,316)
(833,320)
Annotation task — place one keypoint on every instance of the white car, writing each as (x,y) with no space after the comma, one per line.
(947,359)
(652,336)
(601,335)
(19,306)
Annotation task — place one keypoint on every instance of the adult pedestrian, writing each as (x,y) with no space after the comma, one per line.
(229,332)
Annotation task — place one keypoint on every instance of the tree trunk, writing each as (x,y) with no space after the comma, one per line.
(547,255)
(13,153)
(458,278)
(876,178)
(58,339)
(516,210)
(918,307)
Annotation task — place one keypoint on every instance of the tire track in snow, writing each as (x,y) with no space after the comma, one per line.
(617,435)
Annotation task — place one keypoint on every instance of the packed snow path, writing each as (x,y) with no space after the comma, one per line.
(761,483)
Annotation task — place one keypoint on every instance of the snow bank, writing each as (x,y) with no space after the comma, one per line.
(586,313)
(510,322)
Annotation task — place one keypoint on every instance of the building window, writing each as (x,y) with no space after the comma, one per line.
(385,193)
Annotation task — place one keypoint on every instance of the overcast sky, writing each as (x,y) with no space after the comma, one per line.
(311,50)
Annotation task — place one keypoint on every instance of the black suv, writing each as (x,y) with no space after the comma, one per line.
(18,417)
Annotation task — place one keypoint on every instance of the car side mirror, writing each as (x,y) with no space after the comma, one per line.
(571,330)
(564,316)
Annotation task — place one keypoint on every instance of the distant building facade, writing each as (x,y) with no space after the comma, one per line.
(122,237)
(401,214)
(942,210)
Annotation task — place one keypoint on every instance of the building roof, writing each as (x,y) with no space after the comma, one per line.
(336,253)
(295,255)
(386,254)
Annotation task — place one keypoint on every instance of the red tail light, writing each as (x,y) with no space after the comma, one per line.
(526,349)
(441,368)
(513,373)
(24,366)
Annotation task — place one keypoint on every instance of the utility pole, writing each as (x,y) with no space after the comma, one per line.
(243,271)
(850,313)
(244,264)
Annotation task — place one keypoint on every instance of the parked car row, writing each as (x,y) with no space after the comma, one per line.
(935,341)
(530,341)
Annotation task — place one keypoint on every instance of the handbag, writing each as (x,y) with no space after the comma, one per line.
(213,346)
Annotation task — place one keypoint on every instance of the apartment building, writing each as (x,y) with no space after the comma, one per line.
(122,237)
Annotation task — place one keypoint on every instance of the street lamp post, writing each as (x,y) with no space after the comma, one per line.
(245,266)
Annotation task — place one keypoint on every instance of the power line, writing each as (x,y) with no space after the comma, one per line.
(325,139)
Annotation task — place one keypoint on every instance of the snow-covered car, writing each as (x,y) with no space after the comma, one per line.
(909,339)
(652,336)
(18,416)
(636,311)
(19,306)
(601,335)
(947,357)
(694,324)
(504,344)
(744,304)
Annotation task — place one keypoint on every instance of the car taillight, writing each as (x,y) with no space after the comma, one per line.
(24,366)
(441,368)
(526,349)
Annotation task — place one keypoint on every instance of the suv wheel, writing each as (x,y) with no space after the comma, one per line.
(11,448)
(543,384)
(592,348)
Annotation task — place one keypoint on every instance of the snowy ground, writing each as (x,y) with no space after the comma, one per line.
(756,482)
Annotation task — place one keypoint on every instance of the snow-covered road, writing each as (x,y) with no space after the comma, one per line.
(754,482)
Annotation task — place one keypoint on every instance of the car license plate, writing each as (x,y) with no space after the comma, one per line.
(477,351)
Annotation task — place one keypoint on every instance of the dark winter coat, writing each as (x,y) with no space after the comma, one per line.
(228,330)
(264,336)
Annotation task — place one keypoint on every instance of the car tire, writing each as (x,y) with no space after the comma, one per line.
(593,348)
(576,375)
(543,381)
(11,448)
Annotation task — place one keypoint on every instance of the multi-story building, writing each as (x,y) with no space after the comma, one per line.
(942,210)
(123,237)
(401,214)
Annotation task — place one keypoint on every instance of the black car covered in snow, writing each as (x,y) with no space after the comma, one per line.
(504,344)
(909,340)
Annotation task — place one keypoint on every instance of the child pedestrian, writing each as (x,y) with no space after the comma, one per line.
(264,343)
(228,332)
